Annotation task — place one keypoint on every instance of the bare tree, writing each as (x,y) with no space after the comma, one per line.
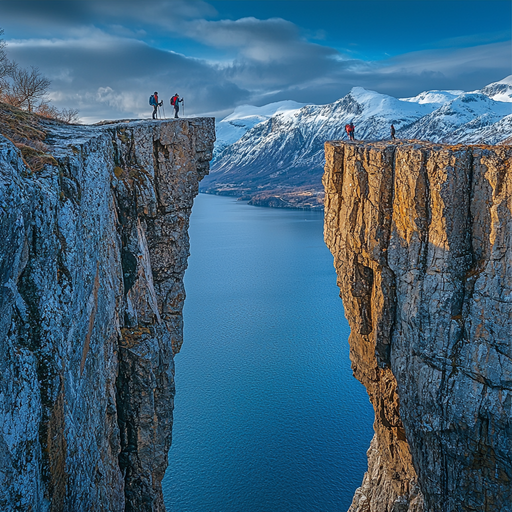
(6,66)
(27,86)
(47,110)
(3,56)
(23,88)
(68,115)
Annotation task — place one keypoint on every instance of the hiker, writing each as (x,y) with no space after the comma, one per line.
(175,102)
(392,132)
(352,129)
(153,101)
(347,129)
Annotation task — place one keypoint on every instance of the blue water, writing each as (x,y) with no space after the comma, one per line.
(268,417)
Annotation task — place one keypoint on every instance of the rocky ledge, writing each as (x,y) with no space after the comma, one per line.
(93,249)
(422,241)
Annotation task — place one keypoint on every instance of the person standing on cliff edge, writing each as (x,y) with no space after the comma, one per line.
(153,101)
(175,102)
(352,130)
(392,132)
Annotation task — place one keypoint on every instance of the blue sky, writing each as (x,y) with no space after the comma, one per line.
(106,57)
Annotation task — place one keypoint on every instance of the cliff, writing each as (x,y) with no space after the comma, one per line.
(422,241)
(94,246)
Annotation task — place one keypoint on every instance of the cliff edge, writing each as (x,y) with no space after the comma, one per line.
(422,241)
(93,249)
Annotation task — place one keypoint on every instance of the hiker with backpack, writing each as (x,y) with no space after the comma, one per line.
(392,132)
(153,101)
(175,102)
(347,129)
(350,128)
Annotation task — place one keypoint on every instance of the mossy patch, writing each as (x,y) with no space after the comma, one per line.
(34,158)
(20,126)
(122,136)
(27,131)
(118,171)
(133,336)
(138,174)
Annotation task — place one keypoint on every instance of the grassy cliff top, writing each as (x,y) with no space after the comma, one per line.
(27,131)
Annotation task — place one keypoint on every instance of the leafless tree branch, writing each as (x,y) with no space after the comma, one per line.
(27,86)
(51,112)
(23,88)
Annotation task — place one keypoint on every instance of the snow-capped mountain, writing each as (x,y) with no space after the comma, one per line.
(460,120)
(434,98)
(286,150)
(500,91)
(244,117)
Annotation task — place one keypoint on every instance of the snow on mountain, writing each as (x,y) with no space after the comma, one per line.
(459,120)
(245,117)
(434,98)
(492,134)
(499,91)
(284,146)
(288,148)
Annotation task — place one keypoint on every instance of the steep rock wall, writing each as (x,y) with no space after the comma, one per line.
(422,241)
(93,249)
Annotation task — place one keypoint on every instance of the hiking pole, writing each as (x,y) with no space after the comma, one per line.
(163,108)
(183,108)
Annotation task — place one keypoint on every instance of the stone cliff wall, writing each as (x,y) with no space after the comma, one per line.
(93,249)
(422,241)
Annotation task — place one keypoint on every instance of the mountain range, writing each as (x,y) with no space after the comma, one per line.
(274,155)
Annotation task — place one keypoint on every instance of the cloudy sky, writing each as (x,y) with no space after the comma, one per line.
(105,57)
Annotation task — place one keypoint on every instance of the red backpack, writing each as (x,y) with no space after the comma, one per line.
(173,100)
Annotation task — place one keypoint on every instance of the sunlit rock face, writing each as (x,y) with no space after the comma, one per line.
(422,241)
(93,249)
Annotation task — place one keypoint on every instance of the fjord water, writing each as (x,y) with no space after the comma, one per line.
(268,417)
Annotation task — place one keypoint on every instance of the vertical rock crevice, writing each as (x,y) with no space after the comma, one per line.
(439,279)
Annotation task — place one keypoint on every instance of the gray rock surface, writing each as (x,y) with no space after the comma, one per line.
(422,241)
(93,249)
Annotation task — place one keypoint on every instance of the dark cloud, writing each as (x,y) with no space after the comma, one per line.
(168,14)
(460,68)
(48,16)
(36,13)
(257,39)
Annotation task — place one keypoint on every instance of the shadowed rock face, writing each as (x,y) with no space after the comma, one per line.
(93,250)
(422,241)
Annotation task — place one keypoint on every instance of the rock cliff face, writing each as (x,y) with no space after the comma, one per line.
(93,248)
(422,241)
